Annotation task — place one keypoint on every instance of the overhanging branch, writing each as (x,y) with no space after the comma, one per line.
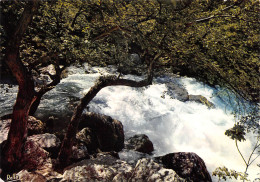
(237,3)
(108,32)
(66,148)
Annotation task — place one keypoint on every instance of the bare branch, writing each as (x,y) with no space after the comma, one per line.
(255,147)
(237,3)
(76,16)
(111,30)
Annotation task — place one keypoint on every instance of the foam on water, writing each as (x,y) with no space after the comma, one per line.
(7,98)
(175,126)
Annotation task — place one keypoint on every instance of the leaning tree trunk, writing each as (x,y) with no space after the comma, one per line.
(66,147)
(12,149)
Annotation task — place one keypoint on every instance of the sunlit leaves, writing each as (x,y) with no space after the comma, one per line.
(221,51)
(224,173)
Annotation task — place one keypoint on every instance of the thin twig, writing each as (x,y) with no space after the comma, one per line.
(256,146)
(241,153)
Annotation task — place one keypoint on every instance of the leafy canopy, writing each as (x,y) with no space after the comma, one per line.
(213,41)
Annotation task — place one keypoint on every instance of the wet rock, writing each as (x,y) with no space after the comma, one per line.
(34,157)
(48,142)
(177,92)
(102,168)
(41,175)
(36,163)
(50,69)
(132,156)
(187,165)
(34,126)
(7,116)
(64,73)
(24,175)
(132,65)
(50,124)
(79,152)
(101,132)
(103,158)
(148,170)
(140,143)
(108,168)
(4,129)
(202,100)
(88,137)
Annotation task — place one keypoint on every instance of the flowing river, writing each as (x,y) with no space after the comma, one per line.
(172,125)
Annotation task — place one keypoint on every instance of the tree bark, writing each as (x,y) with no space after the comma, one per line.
(12,149)
(66,147)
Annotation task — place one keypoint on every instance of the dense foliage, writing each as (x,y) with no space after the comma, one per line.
(215,41)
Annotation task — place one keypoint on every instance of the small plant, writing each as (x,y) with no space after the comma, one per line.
(224,173)
(245,125)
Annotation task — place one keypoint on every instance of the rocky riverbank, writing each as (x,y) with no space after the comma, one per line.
(96,158)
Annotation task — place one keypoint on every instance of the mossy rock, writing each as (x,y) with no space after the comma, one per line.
(202,100)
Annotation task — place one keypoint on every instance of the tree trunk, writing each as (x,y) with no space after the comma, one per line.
(12,149)
(66,147)
(17,135)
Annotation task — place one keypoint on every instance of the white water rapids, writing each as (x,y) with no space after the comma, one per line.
(172,125)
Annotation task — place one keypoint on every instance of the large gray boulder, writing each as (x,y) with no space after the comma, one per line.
(47,141)
(150,171)
(101,133)
(36,164)
(107,168)
(34,157)
(188,165)
(102,168)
